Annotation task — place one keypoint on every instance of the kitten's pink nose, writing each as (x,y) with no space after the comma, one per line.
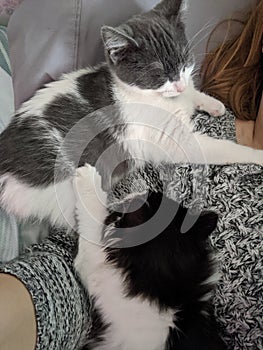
(180,85)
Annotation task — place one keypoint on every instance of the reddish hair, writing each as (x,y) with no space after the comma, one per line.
(234,71)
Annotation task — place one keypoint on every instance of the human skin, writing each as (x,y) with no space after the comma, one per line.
(250,133)
(17,321)
(258,131)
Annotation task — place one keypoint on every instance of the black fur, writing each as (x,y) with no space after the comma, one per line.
(171,271)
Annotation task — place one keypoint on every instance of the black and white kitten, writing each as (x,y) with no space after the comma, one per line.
(153,296)
(134,108)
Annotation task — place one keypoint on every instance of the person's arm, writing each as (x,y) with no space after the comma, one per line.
(17,321)
(245,132)
(258,131)
(250,133)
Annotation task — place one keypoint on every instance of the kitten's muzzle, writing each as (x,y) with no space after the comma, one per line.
(173,89)
(180,85)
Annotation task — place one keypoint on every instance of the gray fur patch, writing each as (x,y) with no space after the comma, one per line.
(149,49)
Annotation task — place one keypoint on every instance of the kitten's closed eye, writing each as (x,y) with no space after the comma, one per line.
(150,67)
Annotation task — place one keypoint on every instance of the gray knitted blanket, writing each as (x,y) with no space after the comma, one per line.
(236,193)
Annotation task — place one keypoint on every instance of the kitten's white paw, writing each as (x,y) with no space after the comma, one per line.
(90,206)
(88,185)
(212,106)
(87,179)
(86,171)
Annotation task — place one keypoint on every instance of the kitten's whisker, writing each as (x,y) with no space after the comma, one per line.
(199,41)
(202,54)
(191,41)
(205,27)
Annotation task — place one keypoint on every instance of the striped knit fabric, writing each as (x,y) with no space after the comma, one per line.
(13,237)
(9,245)
(4,56)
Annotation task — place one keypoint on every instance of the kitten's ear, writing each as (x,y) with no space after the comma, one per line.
(172,8)
(205,225)
(116,42)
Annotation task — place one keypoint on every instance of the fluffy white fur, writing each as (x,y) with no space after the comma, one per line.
(55,203)
(126,317)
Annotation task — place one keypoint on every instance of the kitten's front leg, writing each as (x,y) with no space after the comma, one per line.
(215,151)
(91,211)
(208,104)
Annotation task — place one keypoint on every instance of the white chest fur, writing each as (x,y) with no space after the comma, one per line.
(134,323)
(156,125)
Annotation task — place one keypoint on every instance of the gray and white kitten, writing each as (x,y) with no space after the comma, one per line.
(133,109)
